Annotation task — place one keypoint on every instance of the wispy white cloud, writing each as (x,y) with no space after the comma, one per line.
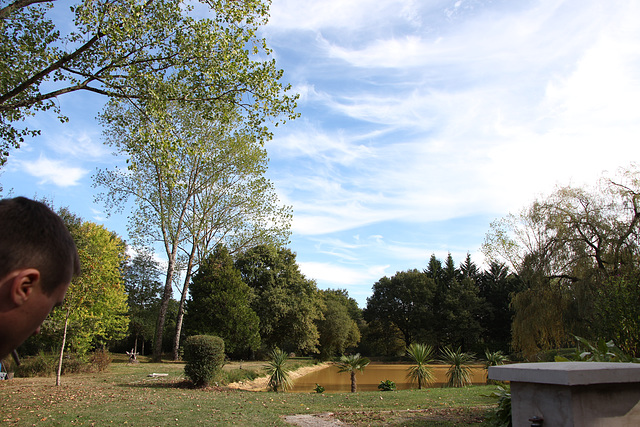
(53,171)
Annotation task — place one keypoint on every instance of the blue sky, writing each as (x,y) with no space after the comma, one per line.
(422,122)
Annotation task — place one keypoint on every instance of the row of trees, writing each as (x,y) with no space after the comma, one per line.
(574,271)
(442,305)
(566,266)
(256,301)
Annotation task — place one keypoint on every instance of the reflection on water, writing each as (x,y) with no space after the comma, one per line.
(333,381)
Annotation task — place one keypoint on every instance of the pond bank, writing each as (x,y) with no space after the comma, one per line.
(260,384)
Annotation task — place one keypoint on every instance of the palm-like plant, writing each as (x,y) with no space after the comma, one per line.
(351,364)
(278,373)
(459,372)
(422,355)
(495,358)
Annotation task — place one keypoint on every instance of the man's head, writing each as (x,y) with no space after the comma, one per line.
(38,259)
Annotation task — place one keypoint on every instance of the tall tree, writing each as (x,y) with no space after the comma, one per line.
(143,287)
(338,329)
(571,248)
(220,304)
(287,303)
(203,53)
(497,287)
(96,302)
(196,183)
(406,301)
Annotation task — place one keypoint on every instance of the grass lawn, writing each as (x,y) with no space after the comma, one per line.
(125,395)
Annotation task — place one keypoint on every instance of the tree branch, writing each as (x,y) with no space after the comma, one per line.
(56,65)
(18,4)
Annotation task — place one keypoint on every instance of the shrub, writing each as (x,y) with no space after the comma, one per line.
(237,375)
(100,359)
(40,365)
(204,357)
(318,389)
(72,364)
(502,415)
(387,385)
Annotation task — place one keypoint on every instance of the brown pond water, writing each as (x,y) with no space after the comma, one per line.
(334,382)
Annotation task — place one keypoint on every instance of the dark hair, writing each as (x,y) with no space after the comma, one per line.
(33,236)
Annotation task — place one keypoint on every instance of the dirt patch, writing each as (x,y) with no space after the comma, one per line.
(317,420)
(260,384)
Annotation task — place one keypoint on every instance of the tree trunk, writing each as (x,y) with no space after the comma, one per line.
(64,342)
(164,306)
(353,382)
(185,289)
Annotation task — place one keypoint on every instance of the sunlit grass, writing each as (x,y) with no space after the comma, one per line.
(126,395)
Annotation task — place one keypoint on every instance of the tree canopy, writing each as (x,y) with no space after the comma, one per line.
(287,303)
(202,53)
(577,253)
(220,304)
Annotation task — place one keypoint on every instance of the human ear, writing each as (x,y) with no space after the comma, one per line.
(23,285)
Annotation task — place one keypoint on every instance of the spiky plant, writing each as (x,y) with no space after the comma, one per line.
(351,364)
(495,358)
(421,355)
(278,373)
(459,372)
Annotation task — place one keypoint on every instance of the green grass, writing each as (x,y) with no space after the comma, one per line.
(125,395)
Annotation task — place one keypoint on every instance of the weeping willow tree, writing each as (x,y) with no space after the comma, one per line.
(578,253)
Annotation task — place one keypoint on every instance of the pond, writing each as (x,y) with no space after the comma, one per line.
(334,382)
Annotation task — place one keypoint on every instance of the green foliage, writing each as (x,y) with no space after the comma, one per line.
(600,351)
(459,371)
(394,302)
(318,388)
(143,287)
(617,311)
(197,181)
(387,385)
(287,303)
(96,301)
(238,375)
(338,328)
(440,305)
(352,363)
(278,373)
(456,304)
(421,355)
(145,53)
(497,286)
(494,358)
(578,255)
(40,365)
(100,359)
(501,417)
(204,357)
(220,304)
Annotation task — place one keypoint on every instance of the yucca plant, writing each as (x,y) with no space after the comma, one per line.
(493,358)
(421,355)
(278,373)
(351,364)
(459,372)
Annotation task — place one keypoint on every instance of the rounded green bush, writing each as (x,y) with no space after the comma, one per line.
(204,357)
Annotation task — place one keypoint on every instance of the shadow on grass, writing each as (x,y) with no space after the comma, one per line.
(176,384)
